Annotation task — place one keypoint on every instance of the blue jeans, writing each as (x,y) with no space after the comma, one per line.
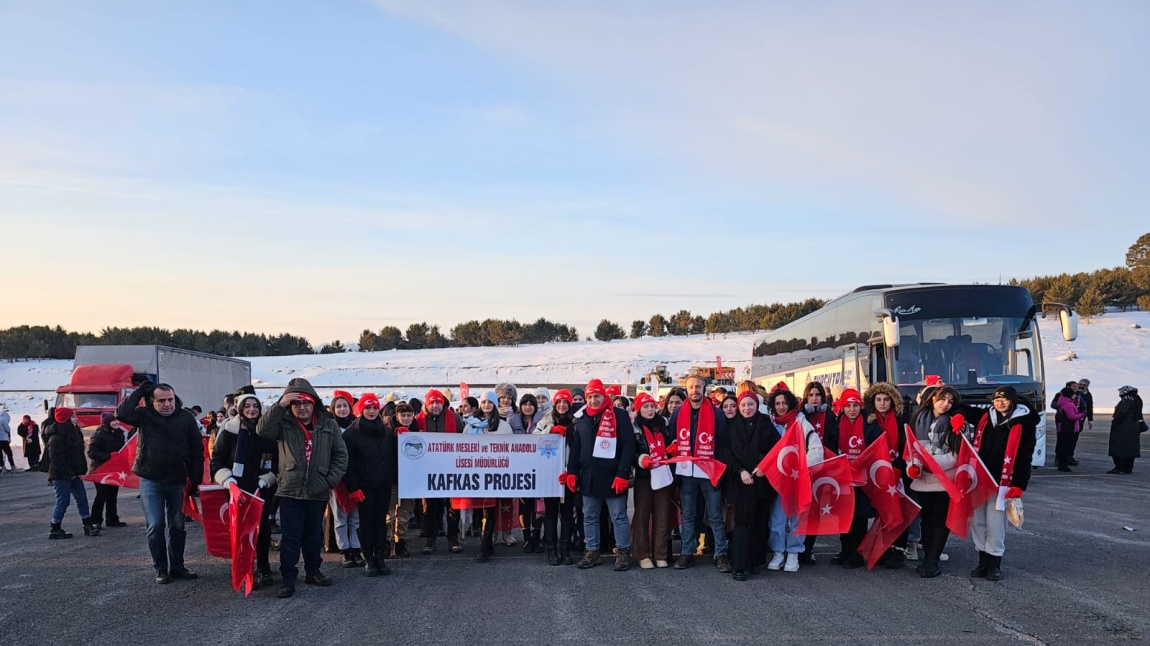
(302,523)
(617,507)
(65,491)
(782,538)
(689,491)
(164,510)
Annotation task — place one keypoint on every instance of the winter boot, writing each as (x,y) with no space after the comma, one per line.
(371,565)
(380,564)
(263,576)
(401,550)
(56,532)
(993,568)
(565,554)
(348,560)
(622,560)
(90,528)
(590,559)
(536,542)
(983,566)
(553,555)
(357,556)
(429,545)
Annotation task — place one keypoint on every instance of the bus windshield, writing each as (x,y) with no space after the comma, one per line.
(968,351)
(87,400)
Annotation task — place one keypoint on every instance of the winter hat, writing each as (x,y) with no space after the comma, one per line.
(507,390)
(240,399)
(62,414)
(27,419)
(416,405)
(614,390)
(562,395)
(642,399)
(849,395)
(305,397)
(346,396)
(368,400)
(1127,390)
(595,387)
(434,396)
(933,380)
(542,393)
(491,397)
(782,385)
(751,394)
(1005,391)
(107,418)
(578,391)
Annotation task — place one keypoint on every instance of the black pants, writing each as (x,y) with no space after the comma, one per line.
(373,529)
(527,517)
(749,540)
(935,505)
(488,515)
(105,500)
(6,450)
(1074,443)
(1125,465)
(851,540)
(558,520)
(433,511)
(1064,446)
(302,525)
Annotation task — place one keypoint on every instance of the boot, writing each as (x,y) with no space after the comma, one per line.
(993,568)
(536,542)
(371,564)
(429,545)
(622,560)
(980,572)
(263,576)
(401,550)
(56,532)
(529,538)
(357,557)
(565,554)
(90,529)
(553,555)
(348,560)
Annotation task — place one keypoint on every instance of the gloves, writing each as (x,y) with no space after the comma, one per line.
(1014,492)
(571,481)
(357,496)
(559,430)
(672,449)
(913,471)
(147,388)
(268,480)
(563,478)
(619,485)
(401,429)
(645,461)
(957,423)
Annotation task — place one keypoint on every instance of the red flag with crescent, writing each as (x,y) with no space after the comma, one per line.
(832,499)
(880,481)
(117,471)
(882,535)
(786,469)
(975,486)
(244,527)
(216,503)
(915,451)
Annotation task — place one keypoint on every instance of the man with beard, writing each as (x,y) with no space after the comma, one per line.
(437,418)
(169,457)
(699,429)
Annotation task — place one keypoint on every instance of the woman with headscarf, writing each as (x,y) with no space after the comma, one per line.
(750,436)
(1125,426)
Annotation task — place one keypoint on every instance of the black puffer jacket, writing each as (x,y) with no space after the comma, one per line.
(996,433)
(595,475)
(258,456)
(169,449)
(66,447)
(371,455)
(105,441)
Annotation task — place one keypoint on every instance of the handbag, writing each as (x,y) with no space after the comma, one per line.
(1142,426)
(1014,511)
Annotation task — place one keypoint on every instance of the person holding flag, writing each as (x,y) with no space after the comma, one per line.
(932,456)
(750,437)
(850,436)
(599,468)
(784,542)
(106,440)
(884,406)
(1004,440)
(242,458)
(699,430)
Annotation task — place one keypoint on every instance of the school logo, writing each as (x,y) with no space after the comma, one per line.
(548,452)
(412,446)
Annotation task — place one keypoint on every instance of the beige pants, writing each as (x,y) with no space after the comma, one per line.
(398,519)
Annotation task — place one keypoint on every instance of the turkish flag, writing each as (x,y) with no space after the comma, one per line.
(713,468)
(880,481)
(975,486)
(464,391)
(244,527)
(883,534)
(832,499)
(118,469)
(915,451)
(343,498)
(216,501)
(786,469)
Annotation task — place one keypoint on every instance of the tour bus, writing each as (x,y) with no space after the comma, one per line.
(973,337)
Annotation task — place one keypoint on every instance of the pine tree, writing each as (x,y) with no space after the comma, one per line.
(1090,304)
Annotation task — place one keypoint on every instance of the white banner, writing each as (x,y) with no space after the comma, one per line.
(454,465)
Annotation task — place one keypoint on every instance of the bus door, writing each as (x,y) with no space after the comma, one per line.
(853,375)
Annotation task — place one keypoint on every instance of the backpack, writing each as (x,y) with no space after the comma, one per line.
(45,460)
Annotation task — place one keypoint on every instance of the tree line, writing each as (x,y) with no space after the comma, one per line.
(43,342)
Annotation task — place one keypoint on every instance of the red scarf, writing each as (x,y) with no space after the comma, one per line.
(449,423)
(704,431)
(786,420)
(654,443)
(307,438)
(888,422)
(606,422)
(1008,458)
(851,440)
(817,420)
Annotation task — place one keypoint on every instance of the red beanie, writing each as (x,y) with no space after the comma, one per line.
(749,393)
(782,385)
(63,414)
(614,390)
(433,396)
(366,400)
(933,380)
(594,387)
(562,395)
(642,399)
(305,397)
(849,395)
(345,395)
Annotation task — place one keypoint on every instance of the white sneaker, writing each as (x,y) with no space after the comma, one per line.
(943,557)
(792,563)
(776,563)
(509,539)
(911,551)
(647,564)
(661,564)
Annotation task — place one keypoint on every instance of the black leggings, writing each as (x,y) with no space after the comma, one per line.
(6,449)
(935,505)
(373,527)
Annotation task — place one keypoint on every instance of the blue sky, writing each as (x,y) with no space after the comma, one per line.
(321,168)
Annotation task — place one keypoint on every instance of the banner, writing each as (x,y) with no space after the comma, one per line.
(453,465)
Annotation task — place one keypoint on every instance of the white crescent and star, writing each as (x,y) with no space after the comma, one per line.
(855,442)
(782,455)
(966,468)
(878,464)
(825,480)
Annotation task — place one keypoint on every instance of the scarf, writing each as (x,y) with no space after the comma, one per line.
(817,420)
(1012,442)
(344,422)
(307,438)
(370,427)
(889,425)
(607,420)
(851,439)
(786,419)
(655,442)
(704,431)
(449,423)
(245,441)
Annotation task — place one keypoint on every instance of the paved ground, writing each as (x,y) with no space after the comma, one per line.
(1073,575)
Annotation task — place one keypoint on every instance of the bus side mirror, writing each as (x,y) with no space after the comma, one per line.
(1069,324)
(890,333)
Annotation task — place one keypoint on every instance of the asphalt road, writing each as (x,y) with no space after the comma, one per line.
(1073,575)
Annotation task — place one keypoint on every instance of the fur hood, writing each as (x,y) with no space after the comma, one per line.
(886,389)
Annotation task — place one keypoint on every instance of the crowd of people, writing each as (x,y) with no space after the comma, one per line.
(329,473)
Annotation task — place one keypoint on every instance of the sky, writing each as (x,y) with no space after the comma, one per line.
(325,168)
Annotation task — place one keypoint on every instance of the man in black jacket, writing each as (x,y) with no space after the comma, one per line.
(65,456)
(169,457)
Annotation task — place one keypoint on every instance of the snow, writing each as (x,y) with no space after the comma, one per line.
(1110,351)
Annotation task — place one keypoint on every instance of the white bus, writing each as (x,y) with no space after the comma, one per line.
(974,337)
